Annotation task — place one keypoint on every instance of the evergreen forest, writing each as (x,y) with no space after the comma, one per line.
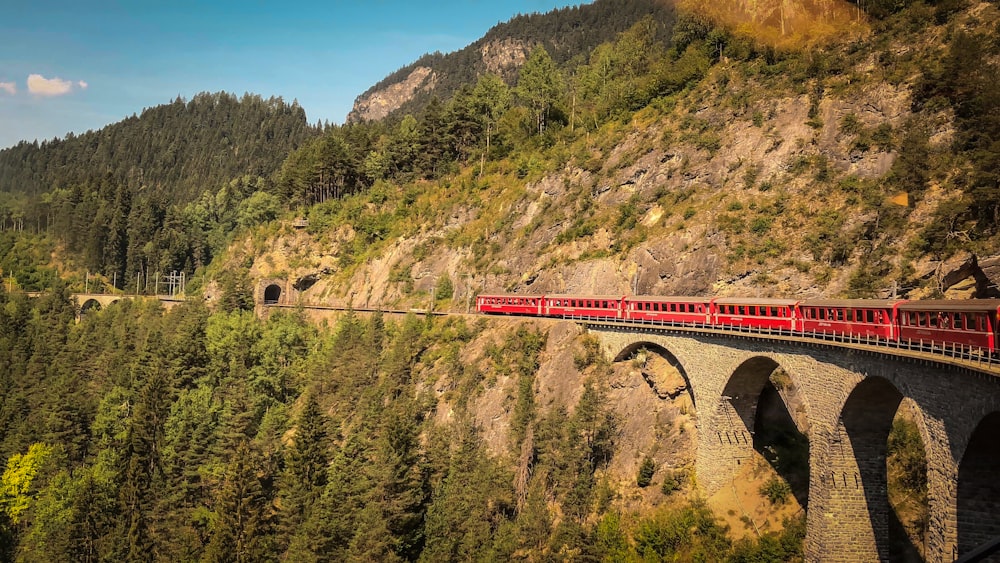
(147,435)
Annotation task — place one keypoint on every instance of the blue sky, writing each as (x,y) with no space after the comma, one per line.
(77,65)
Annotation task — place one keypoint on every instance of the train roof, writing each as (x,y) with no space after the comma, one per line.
(509,295)
(767,301)
(578,296)
(951,305)
(852,303)
(670,299)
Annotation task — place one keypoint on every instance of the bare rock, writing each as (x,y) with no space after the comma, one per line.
(988,278)
(380,103)
(503,56)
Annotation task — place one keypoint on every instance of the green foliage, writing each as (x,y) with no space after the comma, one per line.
(16,484)
(691,530)
(646,470)
(672,482)
(906,454)
(444,288)
(776,490)
(783,546)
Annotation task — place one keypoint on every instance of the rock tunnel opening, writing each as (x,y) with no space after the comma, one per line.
(272,294)
(979,488)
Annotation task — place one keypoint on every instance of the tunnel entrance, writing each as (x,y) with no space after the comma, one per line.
(979,488)
(272,294)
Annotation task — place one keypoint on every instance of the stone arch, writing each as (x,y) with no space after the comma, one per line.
(632,349)
(761,409)
(90,305)
(855,473)
(978,487)
(272,294)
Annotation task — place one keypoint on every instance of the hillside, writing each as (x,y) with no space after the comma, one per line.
(567,34)
(154,192)
(856,169)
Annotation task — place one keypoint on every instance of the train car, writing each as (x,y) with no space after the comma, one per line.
(950,324)
(669,310)
(588,307)
(510,304)
(760,314)
(854,319)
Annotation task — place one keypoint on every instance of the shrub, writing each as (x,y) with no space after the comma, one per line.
(646,470)
(776,490)
(672,482)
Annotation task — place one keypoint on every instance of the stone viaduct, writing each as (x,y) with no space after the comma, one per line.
(95,301)
(849,398)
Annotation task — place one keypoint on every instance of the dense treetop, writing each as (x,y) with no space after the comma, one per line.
(178,149)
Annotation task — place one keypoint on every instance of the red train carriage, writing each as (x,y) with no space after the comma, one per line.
(948,323)
(591,306)
(860,319)
(510,304)
(669,310)
(761,314)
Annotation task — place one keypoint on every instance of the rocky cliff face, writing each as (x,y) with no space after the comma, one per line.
(380,103)
(502,57)
(505,56)
(748,184)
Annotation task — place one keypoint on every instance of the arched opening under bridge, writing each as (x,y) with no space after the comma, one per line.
(979,487)
(881,454)
(762,407)
(90,305)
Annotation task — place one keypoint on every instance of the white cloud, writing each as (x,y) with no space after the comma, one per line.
(9,87)
(41,86)
(83,85)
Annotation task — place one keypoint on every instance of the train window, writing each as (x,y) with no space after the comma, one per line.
(960,321)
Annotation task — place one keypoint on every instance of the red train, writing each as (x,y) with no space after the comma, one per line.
(967,328)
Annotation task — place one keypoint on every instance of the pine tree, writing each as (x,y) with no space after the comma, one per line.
(241,522)
(306,467)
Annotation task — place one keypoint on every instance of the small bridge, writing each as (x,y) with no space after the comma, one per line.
(86,302)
